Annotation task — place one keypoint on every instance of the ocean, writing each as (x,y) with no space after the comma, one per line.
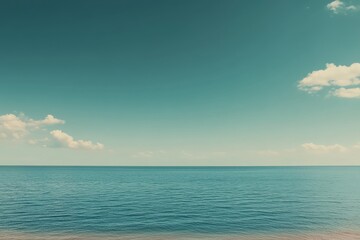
(179,203)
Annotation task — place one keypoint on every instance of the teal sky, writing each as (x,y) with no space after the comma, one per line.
(190,82)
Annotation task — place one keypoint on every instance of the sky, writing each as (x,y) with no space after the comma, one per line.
(179,82)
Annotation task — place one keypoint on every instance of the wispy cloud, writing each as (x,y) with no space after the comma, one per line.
(48,120)
(318,148)
(341,78)
(312,148)
(67,141)
(189,155)
(21,128)
(149,154)
(339,6)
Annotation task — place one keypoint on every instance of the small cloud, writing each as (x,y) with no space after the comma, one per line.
(339,6)
(351,7)
(48,120)
(149,154)
(334,6)
(67,141)
(317,148)
(314,89)
(276,153)
(12,127)
(347,92)
(333,76)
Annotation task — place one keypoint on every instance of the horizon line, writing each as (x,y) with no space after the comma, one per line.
(175,166)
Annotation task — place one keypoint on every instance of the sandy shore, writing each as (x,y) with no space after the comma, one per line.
(344,235)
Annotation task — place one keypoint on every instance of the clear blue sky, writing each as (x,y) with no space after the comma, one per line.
(179,82)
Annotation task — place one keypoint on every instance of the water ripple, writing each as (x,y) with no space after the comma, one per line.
(224,201)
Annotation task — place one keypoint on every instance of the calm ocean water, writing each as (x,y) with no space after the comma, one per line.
(189,202)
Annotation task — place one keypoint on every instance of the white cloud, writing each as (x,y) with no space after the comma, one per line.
(351,7)
(276,153)
(338,6)
(347,92)
(335,5)
(317,148)
(65,140)
(48,120)
(16,127)
(333,76)
(149,154)
(12,127)
(21,128)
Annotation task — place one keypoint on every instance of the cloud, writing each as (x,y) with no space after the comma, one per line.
(65,140)
(333,76)
(22,128)
(339,6)
(48,120)
(149,154)
(12,127)
(347,92)
(317,148)
(351,7)
(335,5)
(17,127)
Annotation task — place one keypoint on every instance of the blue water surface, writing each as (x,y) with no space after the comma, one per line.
(179,199)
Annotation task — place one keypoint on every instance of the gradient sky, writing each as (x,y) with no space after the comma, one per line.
(180,82)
